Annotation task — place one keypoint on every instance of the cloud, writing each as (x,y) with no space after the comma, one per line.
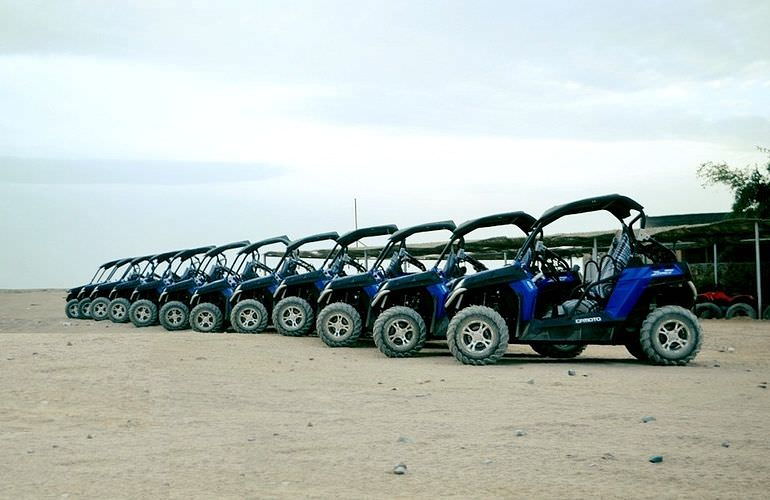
(48,171)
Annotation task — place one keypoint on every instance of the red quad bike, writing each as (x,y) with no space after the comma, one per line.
(718,304)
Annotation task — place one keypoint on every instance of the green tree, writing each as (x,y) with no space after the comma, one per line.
(750,186)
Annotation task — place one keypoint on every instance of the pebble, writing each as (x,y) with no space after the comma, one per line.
(252,439)
(89,436)
(648,419)
(66,323)
(394,389)
(531,381)
(310,424)
(763,385)
(656,459)
(405,439)
(520,433)
(608,456)
(725,444)
(487,462)
(731,349)
(571,373)
(717,365)
(399,469)
(69,343)
(200,358)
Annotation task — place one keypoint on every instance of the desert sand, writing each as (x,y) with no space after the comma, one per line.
(98,410)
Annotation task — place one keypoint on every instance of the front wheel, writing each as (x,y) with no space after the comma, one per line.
(84,308)
(399,332)
(249,316)
(671,335)
(71,309)
(477,335)
(100,308)
(293,317)
(339,325)
(174,316)
(118,310)
(143,313)
(206,318)
(559,351)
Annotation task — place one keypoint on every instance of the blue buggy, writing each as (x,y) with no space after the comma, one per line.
(638,295)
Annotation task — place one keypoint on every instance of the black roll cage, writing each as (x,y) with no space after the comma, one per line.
(618,205)
(520,219)
(399,237)
(339,251)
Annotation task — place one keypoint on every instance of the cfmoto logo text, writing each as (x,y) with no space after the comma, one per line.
(594,319)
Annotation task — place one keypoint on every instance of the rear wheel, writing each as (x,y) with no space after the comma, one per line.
(399,332)
(741,310)
(84,308)
(100,308)
(174,316)
(339,325)
(143,313)
(118,310)
(561,351)
(206,318)
(671,335)
(249,316)
(708,310)
(71,309)
(477,335)
(293,317)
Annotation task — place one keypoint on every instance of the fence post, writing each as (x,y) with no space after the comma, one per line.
(759,270)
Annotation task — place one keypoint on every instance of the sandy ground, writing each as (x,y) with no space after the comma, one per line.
(102,410)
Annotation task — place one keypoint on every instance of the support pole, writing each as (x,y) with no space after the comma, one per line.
(595,253)
(716,275)
(759,270)
(505,258)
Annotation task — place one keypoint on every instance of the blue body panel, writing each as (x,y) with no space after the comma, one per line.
(439,292)
(527,293)
(371,290)
(632,283)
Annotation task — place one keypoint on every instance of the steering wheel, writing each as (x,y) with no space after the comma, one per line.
(414,261)
(307,266)
(473,261)
(350,261)
(260,265)
(549,260)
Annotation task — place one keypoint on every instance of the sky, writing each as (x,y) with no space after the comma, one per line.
(133,127)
